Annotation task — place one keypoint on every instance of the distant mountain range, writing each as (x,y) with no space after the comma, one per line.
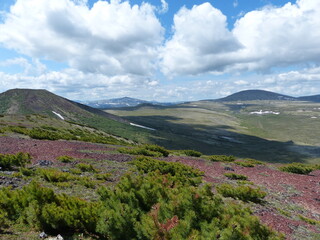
(29,101)
(247,95)
(252,95)
(123,102)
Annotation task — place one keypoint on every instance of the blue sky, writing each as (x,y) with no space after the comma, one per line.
(160,50)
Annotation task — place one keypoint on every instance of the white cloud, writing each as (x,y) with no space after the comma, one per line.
(33,68)
(111,38)
(260,40)
(275,37)
(75,84)
(199,42)
(164,7)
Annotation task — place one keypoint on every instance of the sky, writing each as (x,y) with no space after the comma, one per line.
(164,50)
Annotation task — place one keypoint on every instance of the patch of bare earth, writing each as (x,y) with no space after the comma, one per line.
(50,150)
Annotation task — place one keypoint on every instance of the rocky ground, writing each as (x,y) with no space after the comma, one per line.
(291,199)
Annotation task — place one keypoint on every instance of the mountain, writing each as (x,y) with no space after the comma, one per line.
(251,95)
(314,98)
(121,102)
(30,101)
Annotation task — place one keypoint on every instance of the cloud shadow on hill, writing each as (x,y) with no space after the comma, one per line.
(222,140)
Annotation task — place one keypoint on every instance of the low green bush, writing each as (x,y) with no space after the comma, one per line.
(27,172)
(103,176)
(8,161)
(178,170)
(143,206)
(65,159)
(245,164)
(75,171)
(244,193)
(298,168)
(40,133)
(42,209)
(86,167)
(4,223)
(235,176)
(54,176)
(87,182)
(222,158)
(253,161)
(309,220)
(192,153)
(146,150)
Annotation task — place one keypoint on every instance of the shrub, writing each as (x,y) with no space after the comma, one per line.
(4,223)
(244,193)
(41,208)
(180,171)
(19,129)
(245,164)
(146,150)
(103,176)
(86,167)
(222,158)
(65,159)
(87,182)
(235,176)
(253,161)
(192,153)
(151,207)
(298,168)
(53,175)
(39,133)
(8,161)
(148,206)
(309,220)
(27,172)
(75,171)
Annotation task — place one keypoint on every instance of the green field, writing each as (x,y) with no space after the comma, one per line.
(229,128)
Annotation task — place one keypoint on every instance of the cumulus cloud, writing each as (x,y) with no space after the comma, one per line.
(74,84)
(110,38)
(260,40)
(199,42)
(275,37)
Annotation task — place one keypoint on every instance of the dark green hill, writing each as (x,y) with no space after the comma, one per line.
(314,98)
(252,95)
(30,101)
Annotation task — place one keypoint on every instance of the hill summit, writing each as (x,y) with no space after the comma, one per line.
(251,95)
(32,101)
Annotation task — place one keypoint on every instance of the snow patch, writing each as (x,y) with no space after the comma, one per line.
(140,126)
(264,112)
(59,115)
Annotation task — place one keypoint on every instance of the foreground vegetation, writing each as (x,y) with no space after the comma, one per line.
(52,129)
(158,200)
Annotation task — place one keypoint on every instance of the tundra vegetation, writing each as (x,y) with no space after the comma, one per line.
(156,200)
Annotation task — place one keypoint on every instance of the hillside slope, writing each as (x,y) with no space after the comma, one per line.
(29,101)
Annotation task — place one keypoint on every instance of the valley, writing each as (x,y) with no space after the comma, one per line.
(232,170)
(230,127)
